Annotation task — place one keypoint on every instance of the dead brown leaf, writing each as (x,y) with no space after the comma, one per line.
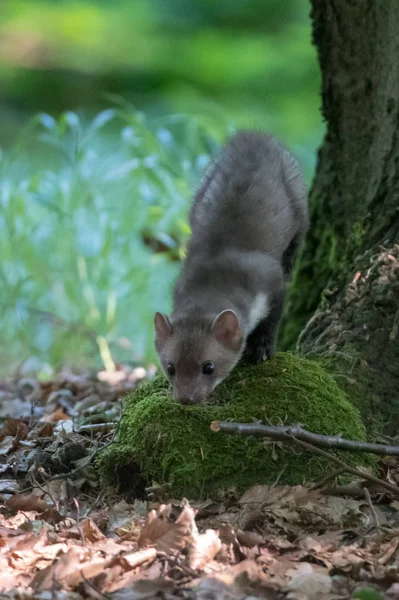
(388,551)
(267,495)
(156,525)
(58,415)
(248,567)
(7,444)
(203,549)
(15,428)
(46,431)
(27,502)
(70,569)
(90,531)
(57,489)
(52,516)
(134,559)
(166,535)
(9,486)
(348,557)
(307,584)
(249,538)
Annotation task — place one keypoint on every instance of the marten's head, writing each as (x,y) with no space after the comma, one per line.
(197,354)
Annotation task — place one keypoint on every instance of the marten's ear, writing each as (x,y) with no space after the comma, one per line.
(163,328)
(226,329)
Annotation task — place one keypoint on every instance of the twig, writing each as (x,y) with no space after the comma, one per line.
(306,329)
(91,586)
(249,429)
(286,433)
(327,478)
(35,483)
(279,476)
(81,467)
(372,510)
(357,472)
(354,491)
(96,427)
(89,459)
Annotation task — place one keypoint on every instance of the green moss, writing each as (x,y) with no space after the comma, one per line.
(316,262)
(174,444)
(323,262)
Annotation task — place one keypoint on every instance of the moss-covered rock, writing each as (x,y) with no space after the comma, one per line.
(166,442)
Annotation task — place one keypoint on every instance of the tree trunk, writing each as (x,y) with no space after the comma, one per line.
(349,268)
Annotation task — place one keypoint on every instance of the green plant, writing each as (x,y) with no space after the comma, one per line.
(93,221)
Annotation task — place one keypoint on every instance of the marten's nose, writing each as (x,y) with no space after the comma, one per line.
(186,399)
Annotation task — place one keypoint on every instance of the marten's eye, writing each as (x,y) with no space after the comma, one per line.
(171,369)
(208,368)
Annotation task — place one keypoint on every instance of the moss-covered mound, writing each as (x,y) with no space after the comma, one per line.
(166,442)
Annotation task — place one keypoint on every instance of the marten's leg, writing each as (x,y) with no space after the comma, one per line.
(289,256)
(260,343)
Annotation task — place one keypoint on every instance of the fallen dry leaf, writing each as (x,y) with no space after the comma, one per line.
(134,559)
(388,551)
(57,415)
(156,525)
(203,549)
(70,569)
(166,535)
(7,444)
(90,531)
(9,486)
(307,584)
(15,428)
(46,431)
(249,538)
(27,502)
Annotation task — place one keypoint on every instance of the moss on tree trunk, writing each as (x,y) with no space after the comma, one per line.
(354,198)
(355,333)
(348,270)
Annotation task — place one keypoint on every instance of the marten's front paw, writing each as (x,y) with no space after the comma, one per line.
(258,354)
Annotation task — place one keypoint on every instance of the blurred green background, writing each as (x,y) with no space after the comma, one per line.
(109,114)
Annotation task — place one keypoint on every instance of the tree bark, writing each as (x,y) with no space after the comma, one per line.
(348,271)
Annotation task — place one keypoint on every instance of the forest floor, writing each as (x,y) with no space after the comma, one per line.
(63,536)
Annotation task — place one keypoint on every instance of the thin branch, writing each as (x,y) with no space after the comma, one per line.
(328,478)
(372,510)
(353,470)
(97,427)
(248,429)
(286,433)
(354,491)
(92,587)
(80,467)
(35,483)
(90,458)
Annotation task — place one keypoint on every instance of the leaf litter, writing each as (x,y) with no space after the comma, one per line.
(63,537)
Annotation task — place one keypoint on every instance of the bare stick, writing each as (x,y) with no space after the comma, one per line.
(89,458)
(219,426)
(328,478)
(353,470)
(372,510)
(286,433)
(357,472)
(355,491)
